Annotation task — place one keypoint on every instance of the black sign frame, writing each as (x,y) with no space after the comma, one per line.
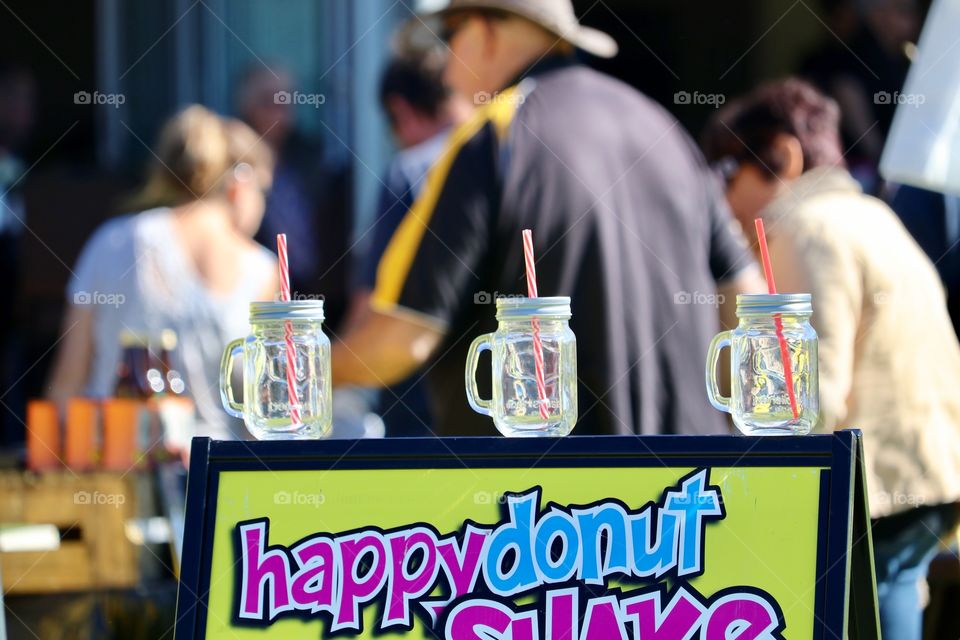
(846,597)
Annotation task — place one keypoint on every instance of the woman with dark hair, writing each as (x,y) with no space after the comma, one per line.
(889,359)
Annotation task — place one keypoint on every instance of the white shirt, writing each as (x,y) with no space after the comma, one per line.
(137,277)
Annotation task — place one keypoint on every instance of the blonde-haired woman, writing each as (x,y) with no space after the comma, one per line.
(187,263)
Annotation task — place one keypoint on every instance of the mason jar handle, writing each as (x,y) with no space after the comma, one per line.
(480,344)
(230,405)
(719,341)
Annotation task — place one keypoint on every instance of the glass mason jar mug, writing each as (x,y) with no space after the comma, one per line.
(759,399)
(266,409)
(516,403)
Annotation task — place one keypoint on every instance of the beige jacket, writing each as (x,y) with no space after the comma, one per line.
(889,357)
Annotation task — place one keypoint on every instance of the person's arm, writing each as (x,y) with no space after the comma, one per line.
(71,366)
(383,349)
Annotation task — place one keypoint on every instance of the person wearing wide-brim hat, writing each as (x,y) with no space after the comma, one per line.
(554,16)
(626,221)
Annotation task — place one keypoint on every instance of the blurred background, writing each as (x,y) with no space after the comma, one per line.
(86,85)
(140,61)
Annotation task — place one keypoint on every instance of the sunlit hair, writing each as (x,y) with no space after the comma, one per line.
(196,154)
(745,130)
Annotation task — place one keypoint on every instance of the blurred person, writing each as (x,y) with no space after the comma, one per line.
(311,192)
(17,113)
(889,359)
(626,220)
(419,107)
(866,77)
(421,112)
(188,263)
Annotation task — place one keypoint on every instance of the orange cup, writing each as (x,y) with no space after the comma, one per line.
(80,434)
(43,435)
(121,424)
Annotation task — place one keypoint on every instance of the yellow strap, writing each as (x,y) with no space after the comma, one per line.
(398,257)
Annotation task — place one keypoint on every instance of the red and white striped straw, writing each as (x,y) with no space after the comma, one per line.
(537,343)
(292,399)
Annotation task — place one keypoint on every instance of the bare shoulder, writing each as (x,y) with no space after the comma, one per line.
(258,254)
(262,265)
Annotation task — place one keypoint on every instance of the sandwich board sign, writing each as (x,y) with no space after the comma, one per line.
(593,538)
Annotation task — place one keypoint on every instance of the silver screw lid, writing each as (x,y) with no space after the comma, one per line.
(520,307)
(766,304)
(290,310)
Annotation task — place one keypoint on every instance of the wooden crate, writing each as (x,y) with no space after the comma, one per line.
(91,511)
